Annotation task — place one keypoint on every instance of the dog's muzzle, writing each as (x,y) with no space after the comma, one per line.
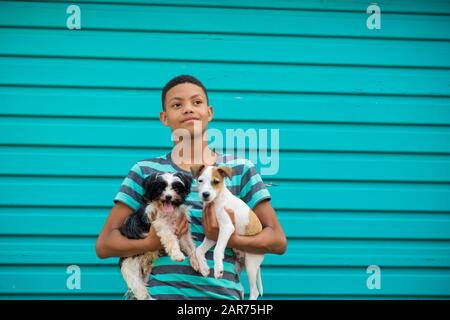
(205,195)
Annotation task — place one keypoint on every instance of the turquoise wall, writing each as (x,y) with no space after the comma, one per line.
(364,120)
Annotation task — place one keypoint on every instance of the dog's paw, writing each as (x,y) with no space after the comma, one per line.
(218,266)
(204,270)
(194,262)
(218,272)
(203,265)
(177,256)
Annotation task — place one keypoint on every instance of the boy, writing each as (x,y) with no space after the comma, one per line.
(186,108)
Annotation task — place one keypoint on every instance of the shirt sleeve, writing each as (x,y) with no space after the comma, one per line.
(131,191)
(252,188)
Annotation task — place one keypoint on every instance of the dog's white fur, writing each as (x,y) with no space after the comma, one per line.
(222,197)
(135,268)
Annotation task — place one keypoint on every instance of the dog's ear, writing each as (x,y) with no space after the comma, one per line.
(225,171)
(197,170)
(150,187)
(186,179)
(149,180)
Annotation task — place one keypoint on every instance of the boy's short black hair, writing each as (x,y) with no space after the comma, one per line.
(184,78)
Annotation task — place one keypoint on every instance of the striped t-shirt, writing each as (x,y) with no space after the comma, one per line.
(177,280)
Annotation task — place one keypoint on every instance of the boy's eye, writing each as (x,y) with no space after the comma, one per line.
(176,105)
(197,102)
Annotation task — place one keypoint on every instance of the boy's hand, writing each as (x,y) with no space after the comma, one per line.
(153,241)
(182,226)
(209,221)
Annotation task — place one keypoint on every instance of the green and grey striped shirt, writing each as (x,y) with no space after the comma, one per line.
(177,280)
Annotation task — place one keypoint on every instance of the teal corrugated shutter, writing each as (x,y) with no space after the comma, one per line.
(364,120)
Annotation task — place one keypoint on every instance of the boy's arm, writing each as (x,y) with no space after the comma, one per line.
(270,240)
(111,243)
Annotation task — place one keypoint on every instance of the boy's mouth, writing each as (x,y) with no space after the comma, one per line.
(190,119)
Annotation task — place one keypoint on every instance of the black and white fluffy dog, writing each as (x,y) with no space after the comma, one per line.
(165,195)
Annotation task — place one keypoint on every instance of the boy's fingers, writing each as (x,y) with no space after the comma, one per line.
(230,213)
(184,229)
(181,225)
(205,216)
(181,218)
(213,221)
(212,215)
(177,226)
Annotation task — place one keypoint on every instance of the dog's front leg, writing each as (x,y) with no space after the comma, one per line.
(186,243)
(149,210)
(169,240)
(188,246)
(200,254)
(225,232)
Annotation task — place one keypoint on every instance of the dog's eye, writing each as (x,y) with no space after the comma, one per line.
(215,182)
(200,181)
(177,185)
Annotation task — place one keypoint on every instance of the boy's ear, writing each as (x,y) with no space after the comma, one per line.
(210,113)
(163,118)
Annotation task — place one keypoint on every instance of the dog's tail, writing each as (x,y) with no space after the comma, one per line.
(259,282)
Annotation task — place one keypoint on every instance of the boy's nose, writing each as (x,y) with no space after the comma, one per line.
(188,108)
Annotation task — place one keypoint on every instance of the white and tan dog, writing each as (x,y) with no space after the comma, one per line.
(211,188)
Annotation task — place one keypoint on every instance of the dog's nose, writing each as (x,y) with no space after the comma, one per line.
(205,195)
(168,197)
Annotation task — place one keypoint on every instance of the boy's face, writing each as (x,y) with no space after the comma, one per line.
(185,105)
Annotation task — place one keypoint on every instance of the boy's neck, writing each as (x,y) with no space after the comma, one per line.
(185,154)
